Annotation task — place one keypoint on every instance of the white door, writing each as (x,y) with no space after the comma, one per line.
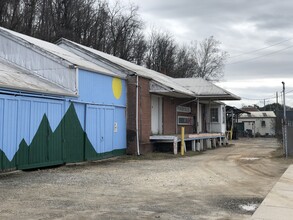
(156,114)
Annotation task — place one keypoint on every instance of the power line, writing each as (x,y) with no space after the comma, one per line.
(258,57)
(267,98)
(260,49)
(259,99)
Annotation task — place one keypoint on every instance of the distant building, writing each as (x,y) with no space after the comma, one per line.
(258,123)
(250,108)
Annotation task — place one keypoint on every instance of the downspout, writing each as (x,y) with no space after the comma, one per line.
(209,118)
(197,116)
(176,126)
(136,118)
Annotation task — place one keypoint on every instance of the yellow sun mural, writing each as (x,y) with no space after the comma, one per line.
(117,87)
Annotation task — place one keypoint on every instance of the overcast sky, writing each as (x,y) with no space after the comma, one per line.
(257,34)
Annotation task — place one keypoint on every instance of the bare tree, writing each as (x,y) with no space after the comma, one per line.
(117,30)
(161,53)
(209,59)
(125,31)
(184,63)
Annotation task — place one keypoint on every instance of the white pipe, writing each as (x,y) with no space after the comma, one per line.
(137,133)
(197,116)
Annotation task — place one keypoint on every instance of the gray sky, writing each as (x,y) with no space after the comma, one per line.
(258,35)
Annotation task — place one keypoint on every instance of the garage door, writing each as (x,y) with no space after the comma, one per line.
(100,128)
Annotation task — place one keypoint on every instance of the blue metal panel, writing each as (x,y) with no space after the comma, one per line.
(55,114)
(80,111)
(120,135)
(38,109)
(24,115)
(98,88)
(100,127)
(108,129)
(10,144)
(1,122)
(93,126)
(21,117)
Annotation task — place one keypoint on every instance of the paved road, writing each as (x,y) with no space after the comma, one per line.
(212,185)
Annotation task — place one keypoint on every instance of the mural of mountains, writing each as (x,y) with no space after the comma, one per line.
(67,144)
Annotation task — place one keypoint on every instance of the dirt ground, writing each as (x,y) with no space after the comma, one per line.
(211,185)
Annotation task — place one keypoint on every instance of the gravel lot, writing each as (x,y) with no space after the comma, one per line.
(212,185)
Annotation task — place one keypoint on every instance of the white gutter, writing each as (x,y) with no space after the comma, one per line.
(136,118)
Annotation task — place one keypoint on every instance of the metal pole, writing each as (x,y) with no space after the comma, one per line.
(136,119)
(284,123)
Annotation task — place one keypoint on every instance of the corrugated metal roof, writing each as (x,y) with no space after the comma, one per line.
(14,78)
(259,114)
(55,52)
(205,89)
(139,70)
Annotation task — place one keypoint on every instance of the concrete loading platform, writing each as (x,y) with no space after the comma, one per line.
(198,141)
(278,204)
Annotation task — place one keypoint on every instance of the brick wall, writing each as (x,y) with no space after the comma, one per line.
(131,115)
(144,122)
(169,115)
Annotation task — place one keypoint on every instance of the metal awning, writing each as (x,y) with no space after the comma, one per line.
(160,89)
(206,90)
(14,78)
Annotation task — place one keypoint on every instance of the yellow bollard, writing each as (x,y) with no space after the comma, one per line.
(231,134)
(182,141)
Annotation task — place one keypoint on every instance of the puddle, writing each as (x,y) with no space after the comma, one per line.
(250,207)
(249,158)
(239,205)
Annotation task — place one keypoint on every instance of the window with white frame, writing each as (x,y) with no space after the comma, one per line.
(214,115)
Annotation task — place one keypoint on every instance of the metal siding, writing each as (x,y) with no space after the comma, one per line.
(100,127)
(93,127)
(55,114)
(21,119)
(38,109)
(120,135)
(10,127)
(80,111)
(37,63)
(1,120)
(108,129)
(54,130)
(24,115)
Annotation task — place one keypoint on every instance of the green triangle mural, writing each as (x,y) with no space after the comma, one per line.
(67,144)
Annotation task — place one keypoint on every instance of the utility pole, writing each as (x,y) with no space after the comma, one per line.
(277,101)
(284,123)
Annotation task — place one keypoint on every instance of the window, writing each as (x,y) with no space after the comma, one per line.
(185,120)
(263,123)
(214,115)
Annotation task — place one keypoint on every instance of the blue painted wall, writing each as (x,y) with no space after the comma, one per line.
(98,89)
(20,116)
